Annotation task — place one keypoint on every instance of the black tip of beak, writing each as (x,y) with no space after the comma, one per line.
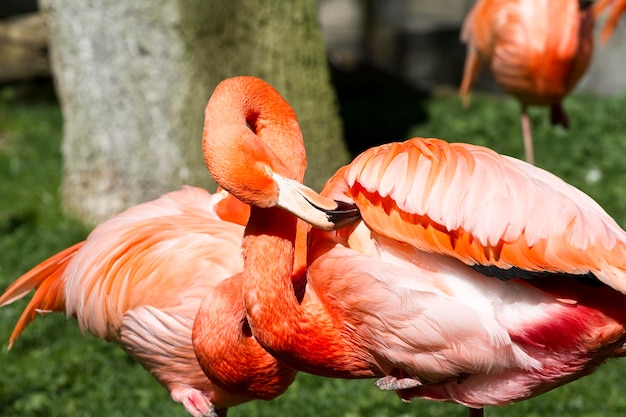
(344,215)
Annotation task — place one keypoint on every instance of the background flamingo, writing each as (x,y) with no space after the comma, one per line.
(139,280)
(617,8)
(537,51)
(473,278)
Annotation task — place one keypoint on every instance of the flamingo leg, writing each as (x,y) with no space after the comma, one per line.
(528,136)
(476,412)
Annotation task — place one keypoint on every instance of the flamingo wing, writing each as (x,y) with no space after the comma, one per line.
(410,281)
(131,260)
(139,280)
(485,209)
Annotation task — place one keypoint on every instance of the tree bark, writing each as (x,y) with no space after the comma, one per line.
(133,79)
(280,42)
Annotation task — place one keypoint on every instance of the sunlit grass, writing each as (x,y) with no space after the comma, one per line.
(53,370)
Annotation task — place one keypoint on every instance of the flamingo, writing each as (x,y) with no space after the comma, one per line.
(140,279)
(472,277)
(537,50)
(618,7)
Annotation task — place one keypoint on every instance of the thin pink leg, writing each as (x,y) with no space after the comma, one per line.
(528,136)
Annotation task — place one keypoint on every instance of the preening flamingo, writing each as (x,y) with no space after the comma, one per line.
(537,51)
(473,277)
(140,278)
(239,107)
(617,8)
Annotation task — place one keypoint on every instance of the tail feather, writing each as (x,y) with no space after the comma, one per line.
(473,63)
(617,8)
(470,74)
(46,279)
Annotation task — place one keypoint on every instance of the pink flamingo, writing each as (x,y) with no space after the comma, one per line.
(140,279)
(473,277)
(537,51)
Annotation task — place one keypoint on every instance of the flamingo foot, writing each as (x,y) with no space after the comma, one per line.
(195,402)
(392,383)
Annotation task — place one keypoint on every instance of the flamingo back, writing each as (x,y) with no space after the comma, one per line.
(483,208)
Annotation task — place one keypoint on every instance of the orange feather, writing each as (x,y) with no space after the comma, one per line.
(617,8)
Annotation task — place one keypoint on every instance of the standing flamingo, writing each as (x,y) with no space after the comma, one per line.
(140,278)
(537,51)
(472,278)
(618,7)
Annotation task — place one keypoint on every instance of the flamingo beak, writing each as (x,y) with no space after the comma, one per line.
(320,212)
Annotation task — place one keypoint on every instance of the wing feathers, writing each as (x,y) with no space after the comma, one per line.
(481,207)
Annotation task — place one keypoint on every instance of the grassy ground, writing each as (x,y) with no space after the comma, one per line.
(55,371)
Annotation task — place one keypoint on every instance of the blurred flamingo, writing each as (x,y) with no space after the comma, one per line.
(473,277)
(140,278)
(537,51)
(618,7)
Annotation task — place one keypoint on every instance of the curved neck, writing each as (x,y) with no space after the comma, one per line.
(228,353)
(244,113)
(295,328)
(249,130)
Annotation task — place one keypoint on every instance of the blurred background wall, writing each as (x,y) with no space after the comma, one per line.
(413,41)
(418,41)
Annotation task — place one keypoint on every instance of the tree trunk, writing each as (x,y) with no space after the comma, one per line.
(280,42)
(133,79)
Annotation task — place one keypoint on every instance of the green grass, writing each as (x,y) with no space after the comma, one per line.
(54,370)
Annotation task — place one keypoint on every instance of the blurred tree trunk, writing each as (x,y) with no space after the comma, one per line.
(133,79)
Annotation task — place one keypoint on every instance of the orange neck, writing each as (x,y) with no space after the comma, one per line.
(296,328)
(220,340)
